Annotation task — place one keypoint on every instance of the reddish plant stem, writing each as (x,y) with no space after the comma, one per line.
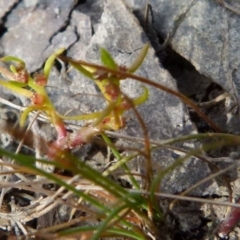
(228,224)
(61,130)
(66,142)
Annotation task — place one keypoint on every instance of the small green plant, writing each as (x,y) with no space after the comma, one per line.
(122,202)
(116,211)
(111,118)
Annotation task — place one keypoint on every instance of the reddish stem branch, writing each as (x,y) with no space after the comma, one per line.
(228,224)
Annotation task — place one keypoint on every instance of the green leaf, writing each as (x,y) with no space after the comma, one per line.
(121,161)
(16,87)
(105,113)
(86,71)
(25,113)
(116,232)
(50,61)
(107,59)
(13,69)
(12,59)
(142,98)
(83,116)
(17,84)
(139,60)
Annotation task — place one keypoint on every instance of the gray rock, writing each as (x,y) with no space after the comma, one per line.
(135,4)
(30,3)
(5,6)
(93,8)
(35,30)
(61,40)
(83,27)
(207,36)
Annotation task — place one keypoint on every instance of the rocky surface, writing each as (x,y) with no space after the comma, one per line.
(31,31)
(200,57)
(6,6)
(207,36)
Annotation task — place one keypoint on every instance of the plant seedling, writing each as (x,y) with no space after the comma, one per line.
(110,118)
